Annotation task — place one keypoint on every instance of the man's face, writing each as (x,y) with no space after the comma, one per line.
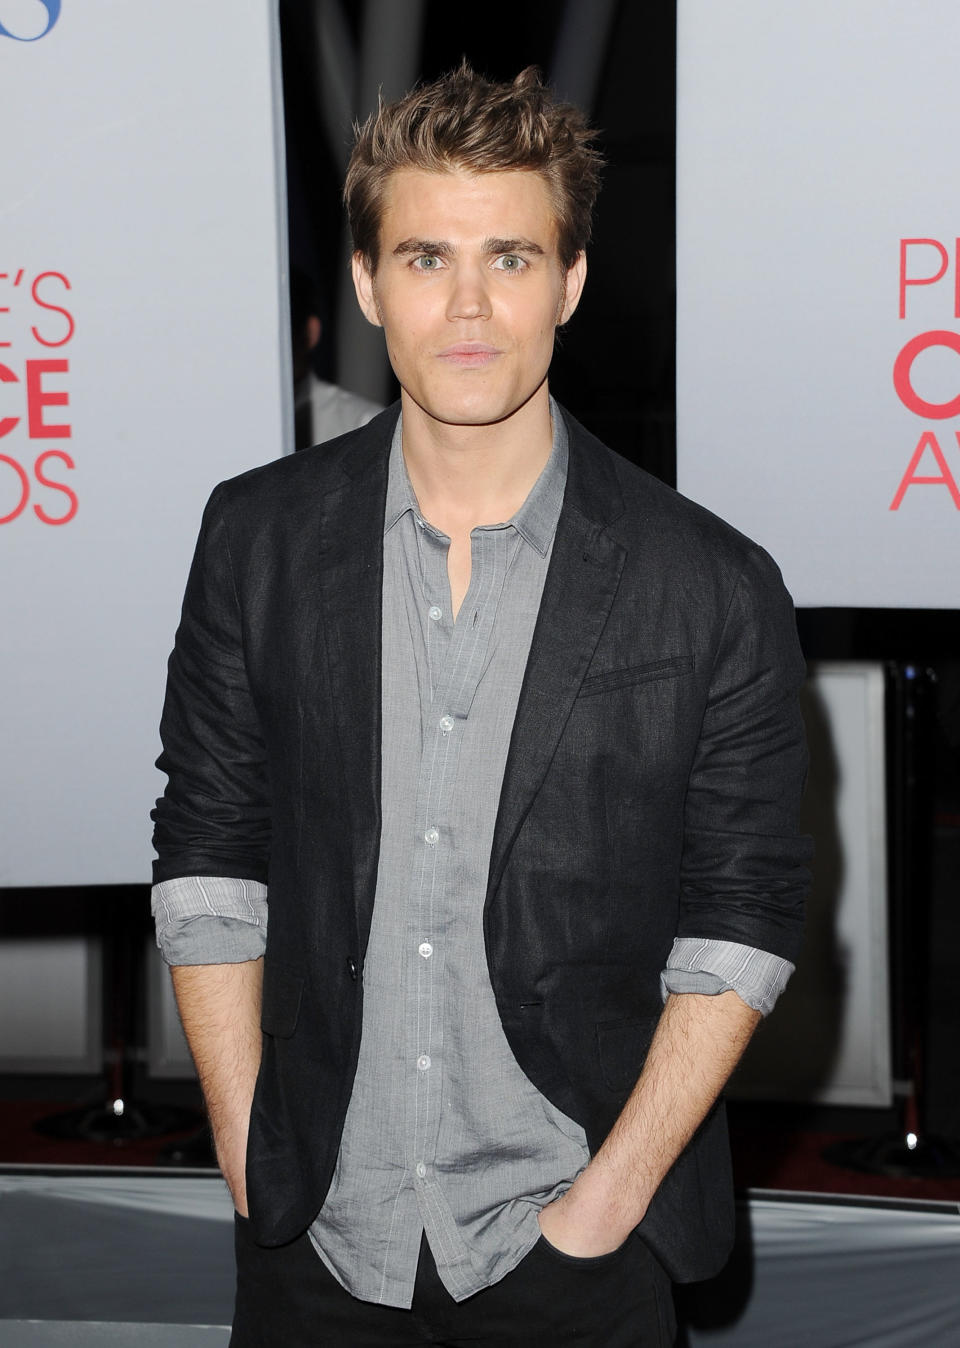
(469,290)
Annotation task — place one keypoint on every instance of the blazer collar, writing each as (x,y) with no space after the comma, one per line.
(592,487)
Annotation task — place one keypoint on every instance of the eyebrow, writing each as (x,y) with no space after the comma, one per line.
(512,246)
(433,247)
(490,247)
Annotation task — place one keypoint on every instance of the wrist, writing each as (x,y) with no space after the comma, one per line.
(606,1199)
(230,1145)
(586,1221)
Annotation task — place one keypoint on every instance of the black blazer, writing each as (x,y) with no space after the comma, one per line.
(651,789)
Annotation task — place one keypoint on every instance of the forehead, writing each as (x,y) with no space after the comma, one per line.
(459,207)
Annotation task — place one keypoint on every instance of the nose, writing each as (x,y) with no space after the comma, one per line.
(469,296)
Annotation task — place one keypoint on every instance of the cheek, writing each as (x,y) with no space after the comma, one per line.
(542,321)
(403,339)
(410,330)
(543,337)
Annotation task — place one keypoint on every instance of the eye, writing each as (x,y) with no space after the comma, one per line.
(510,262)
(427,262)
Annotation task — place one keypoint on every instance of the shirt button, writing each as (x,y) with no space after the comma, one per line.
(423,1062)
(425,949)
(434,613)
(446,724)
(432,836)
(421,1170)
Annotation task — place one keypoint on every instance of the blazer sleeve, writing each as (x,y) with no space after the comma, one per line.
(743,871)
(214,817)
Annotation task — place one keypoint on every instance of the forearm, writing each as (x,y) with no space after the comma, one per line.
(698,1042)
(220,1009)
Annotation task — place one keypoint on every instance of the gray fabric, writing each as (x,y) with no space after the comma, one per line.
(712,967)
(210,919)
(444,1132)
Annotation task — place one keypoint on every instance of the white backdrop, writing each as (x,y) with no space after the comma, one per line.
(828,1042)
(143,357)
(818,255)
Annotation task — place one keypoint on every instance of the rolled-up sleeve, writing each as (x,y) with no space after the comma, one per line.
(711,967)
(202,919)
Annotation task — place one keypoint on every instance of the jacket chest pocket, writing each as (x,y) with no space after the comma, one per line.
(627,677)
(638,720)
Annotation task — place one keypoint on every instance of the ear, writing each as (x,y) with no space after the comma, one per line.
(573,284)
(314,329)
(363,284)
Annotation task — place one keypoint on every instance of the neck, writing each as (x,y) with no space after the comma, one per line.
(465,476)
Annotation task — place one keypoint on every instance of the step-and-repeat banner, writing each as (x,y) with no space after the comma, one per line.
(818,259)
(144,356)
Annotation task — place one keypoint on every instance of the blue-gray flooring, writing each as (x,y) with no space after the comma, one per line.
(93,1261)
(108,1334)
(150,1250)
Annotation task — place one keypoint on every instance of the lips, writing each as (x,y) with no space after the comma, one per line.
(470,355)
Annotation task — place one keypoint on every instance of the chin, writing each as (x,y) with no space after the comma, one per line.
(467,412)
(486,411)
(478,416)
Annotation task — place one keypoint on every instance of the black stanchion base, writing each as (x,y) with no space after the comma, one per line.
(929,1156)
(193,1151)
(108,1123)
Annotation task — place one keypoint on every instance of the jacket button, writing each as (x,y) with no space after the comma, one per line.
(352,966)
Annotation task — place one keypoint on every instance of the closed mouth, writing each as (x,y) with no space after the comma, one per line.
(469,353)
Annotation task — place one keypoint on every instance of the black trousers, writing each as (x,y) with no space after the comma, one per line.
(286,1298)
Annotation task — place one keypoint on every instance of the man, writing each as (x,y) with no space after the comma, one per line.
(511,731)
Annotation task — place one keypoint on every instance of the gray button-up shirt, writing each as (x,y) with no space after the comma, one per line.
(444,1133)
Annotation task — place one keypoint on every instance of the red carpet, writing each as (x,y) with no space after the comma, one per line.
(764,1158)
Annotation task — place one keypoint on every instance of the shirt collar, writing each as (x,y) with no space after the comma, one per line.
(535,521)
(400,497)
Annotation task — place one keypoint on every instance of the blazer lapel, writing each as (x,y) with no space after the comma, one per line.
(349,635)
(580,587)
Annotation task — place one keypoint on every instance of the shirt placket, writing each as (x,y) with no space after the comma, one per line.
(456,654)
(424,959)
